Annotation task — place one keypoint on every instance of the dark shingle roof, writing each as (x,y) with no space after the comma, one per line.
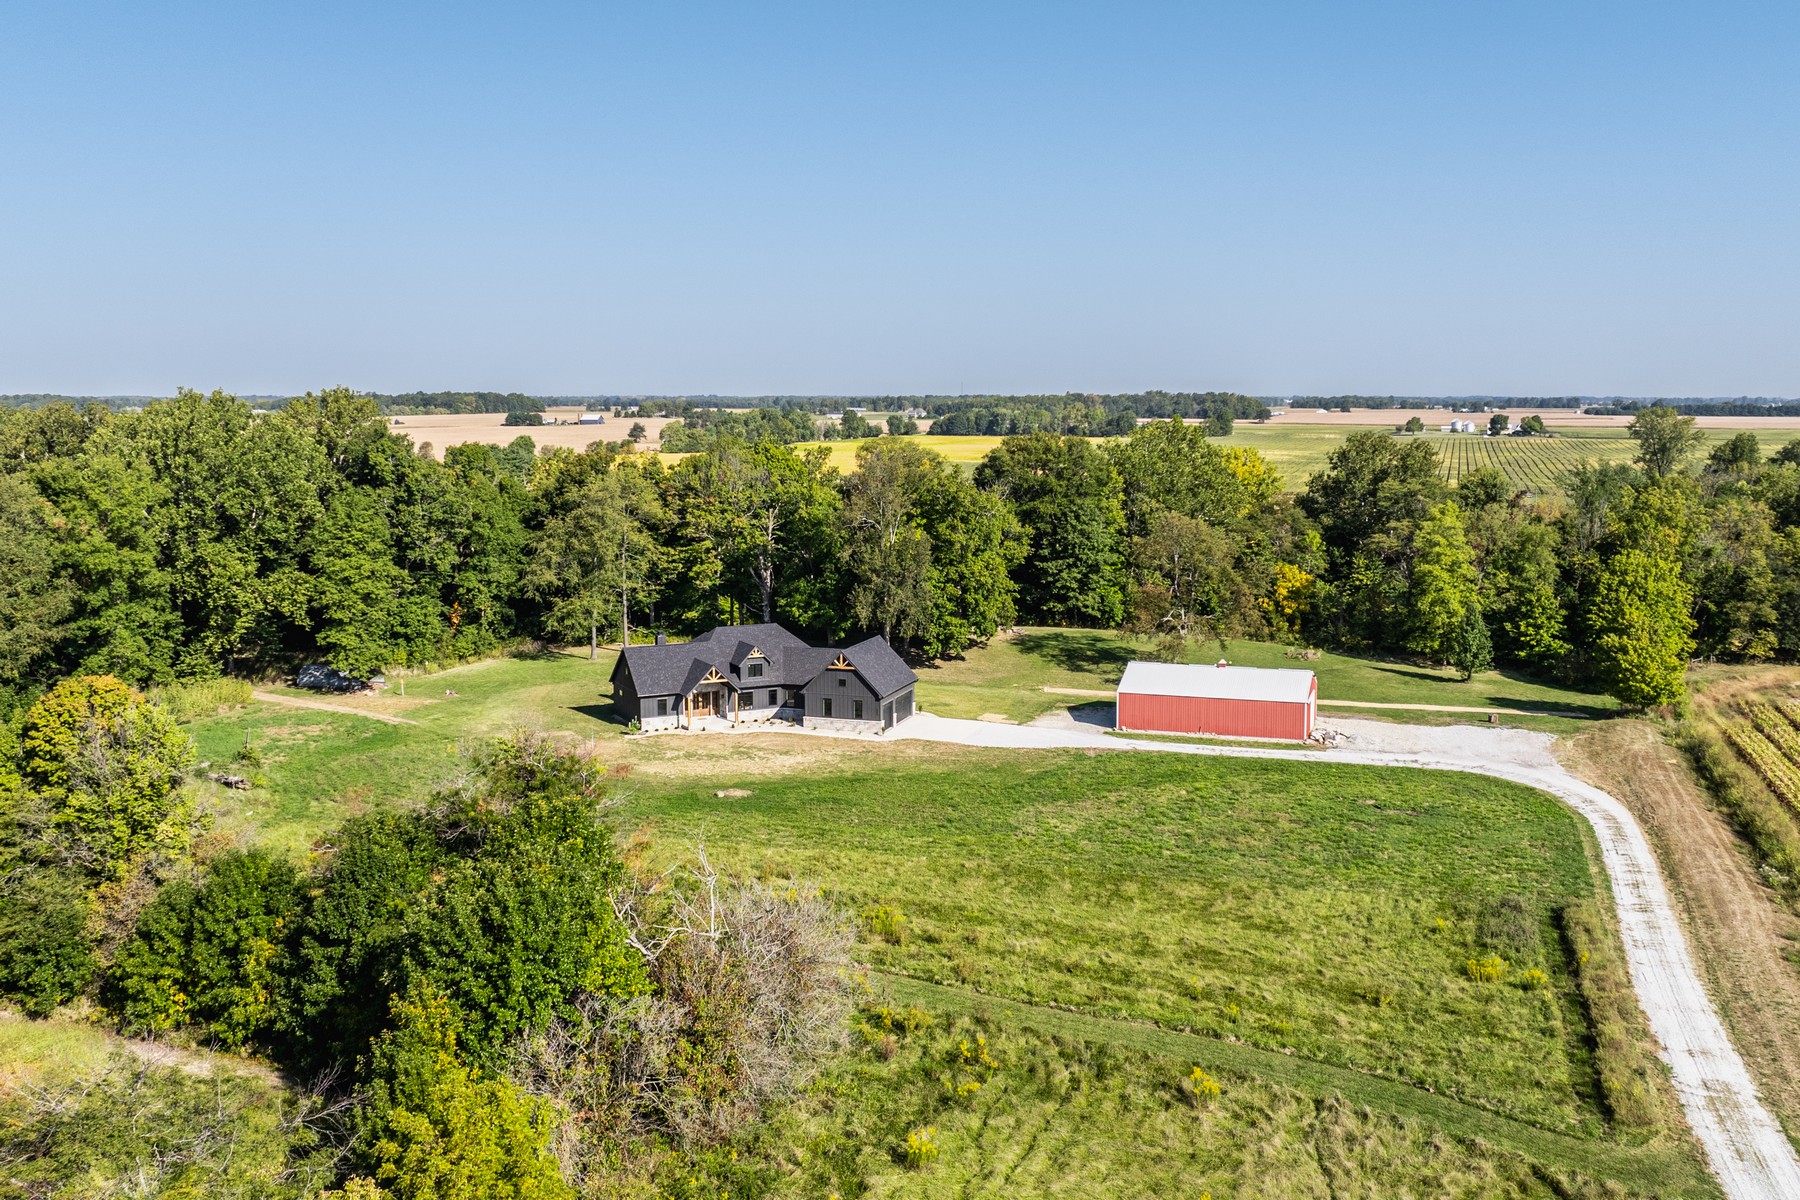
(673,670)
(676,669)
(877,663)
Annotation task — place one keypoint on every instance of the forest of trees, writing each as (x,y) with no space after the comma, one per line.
(194,539)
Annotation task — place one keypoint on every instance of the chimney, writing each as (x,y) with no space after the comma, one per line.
(662,639)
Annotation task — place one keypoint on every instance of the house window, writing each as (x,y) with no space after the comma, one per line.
(856,709)
(827,706)
(774,698)
(662,707)
(756,670)
(842,682)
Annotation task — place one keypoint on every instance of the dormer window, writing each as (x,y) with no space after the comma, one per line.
(754,670)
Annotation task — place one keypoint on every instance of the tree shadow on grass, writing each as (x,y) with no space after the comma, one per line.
(1089,652)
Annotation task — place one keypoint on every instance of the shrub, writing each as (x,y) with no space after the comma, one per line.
(46,954)
(110,765)
(885,922)
(1492,969)
(207,954)
(1533,978)
(922,1147)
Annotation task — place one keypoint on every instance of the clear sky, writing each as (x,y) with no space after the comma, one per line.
(1445,197)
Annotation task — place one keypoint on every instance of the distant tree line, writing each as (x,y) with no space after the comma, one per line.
(194,539)
(425,403)
(1709,408)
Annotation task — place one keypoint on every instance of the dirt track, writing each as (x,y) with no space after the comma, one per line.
(1745,1146)
(328,706)
(1742,932)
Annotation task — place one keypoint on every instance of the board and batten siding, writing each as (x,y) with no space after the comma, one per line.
(841,687)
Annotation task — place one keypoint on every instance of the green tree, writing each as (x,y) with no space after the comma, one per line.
(1641,628)
(1472,649)
(594,555)
(1068,497)
(1532,425)
(1664,438)
(36,599)
(1220,421)
(637,432)
(887,556)
(1444,584)
(977,544)
(1414,425)
(1170,466)
(1498,424)
(769,516)
(436,1128)
(207,955)
(1372,483)
(899,425)
(109,766)
(1190,589)
(1736,458)
(46,951)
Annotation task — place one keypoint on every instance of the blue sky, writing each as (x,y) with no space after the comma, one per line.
(751,198)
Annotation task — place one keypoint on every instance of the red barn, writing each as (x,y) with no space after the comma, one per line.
(1226,701)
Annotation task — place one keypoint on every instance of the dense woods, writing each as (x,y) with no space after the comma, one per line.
(196,539)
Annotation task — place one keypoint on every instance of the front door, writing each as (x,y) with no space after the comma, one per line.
(703,704)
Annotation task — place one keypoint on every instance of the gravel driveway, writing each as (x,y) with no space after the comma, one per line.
(1749,1154)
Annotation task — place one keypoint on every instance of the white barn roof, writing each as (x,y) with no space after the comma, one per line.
(1286,685)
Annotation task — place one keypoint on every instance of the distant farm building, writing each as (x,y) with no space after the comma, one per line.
(591,418)
(1222,700)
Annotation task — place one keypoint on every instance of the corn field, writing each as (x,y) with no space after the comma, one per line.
(1767,738)
(1538,464)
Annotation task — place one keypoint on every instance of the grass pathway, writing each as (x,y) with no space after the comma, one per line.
(1657,1169)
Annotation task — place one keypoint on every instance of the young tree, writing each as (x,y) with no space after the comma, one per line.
(1444,584)
(1641,628)
(1472,650)
(1664,438)
(1068,497)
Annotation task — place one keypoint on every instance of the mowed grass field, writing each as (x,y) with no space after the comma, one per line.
(1007,678)
(1108,922)
(321,766)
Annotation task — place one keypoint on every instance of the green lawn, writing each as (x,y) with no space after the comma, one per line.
(1264,901)
(1314,914)
(1007,677)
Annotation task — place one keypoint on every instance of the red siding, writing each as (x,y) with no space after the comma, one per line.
(1225,718)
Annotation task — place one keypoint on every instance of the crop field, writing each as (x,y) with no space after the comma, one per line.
(1298,449)
(1766,735)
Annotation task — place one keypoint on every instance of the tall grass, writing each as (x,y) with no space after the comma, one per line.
(202,698)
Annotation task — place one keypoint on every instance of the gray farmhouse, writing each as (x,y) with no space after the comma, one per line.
(739,673)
